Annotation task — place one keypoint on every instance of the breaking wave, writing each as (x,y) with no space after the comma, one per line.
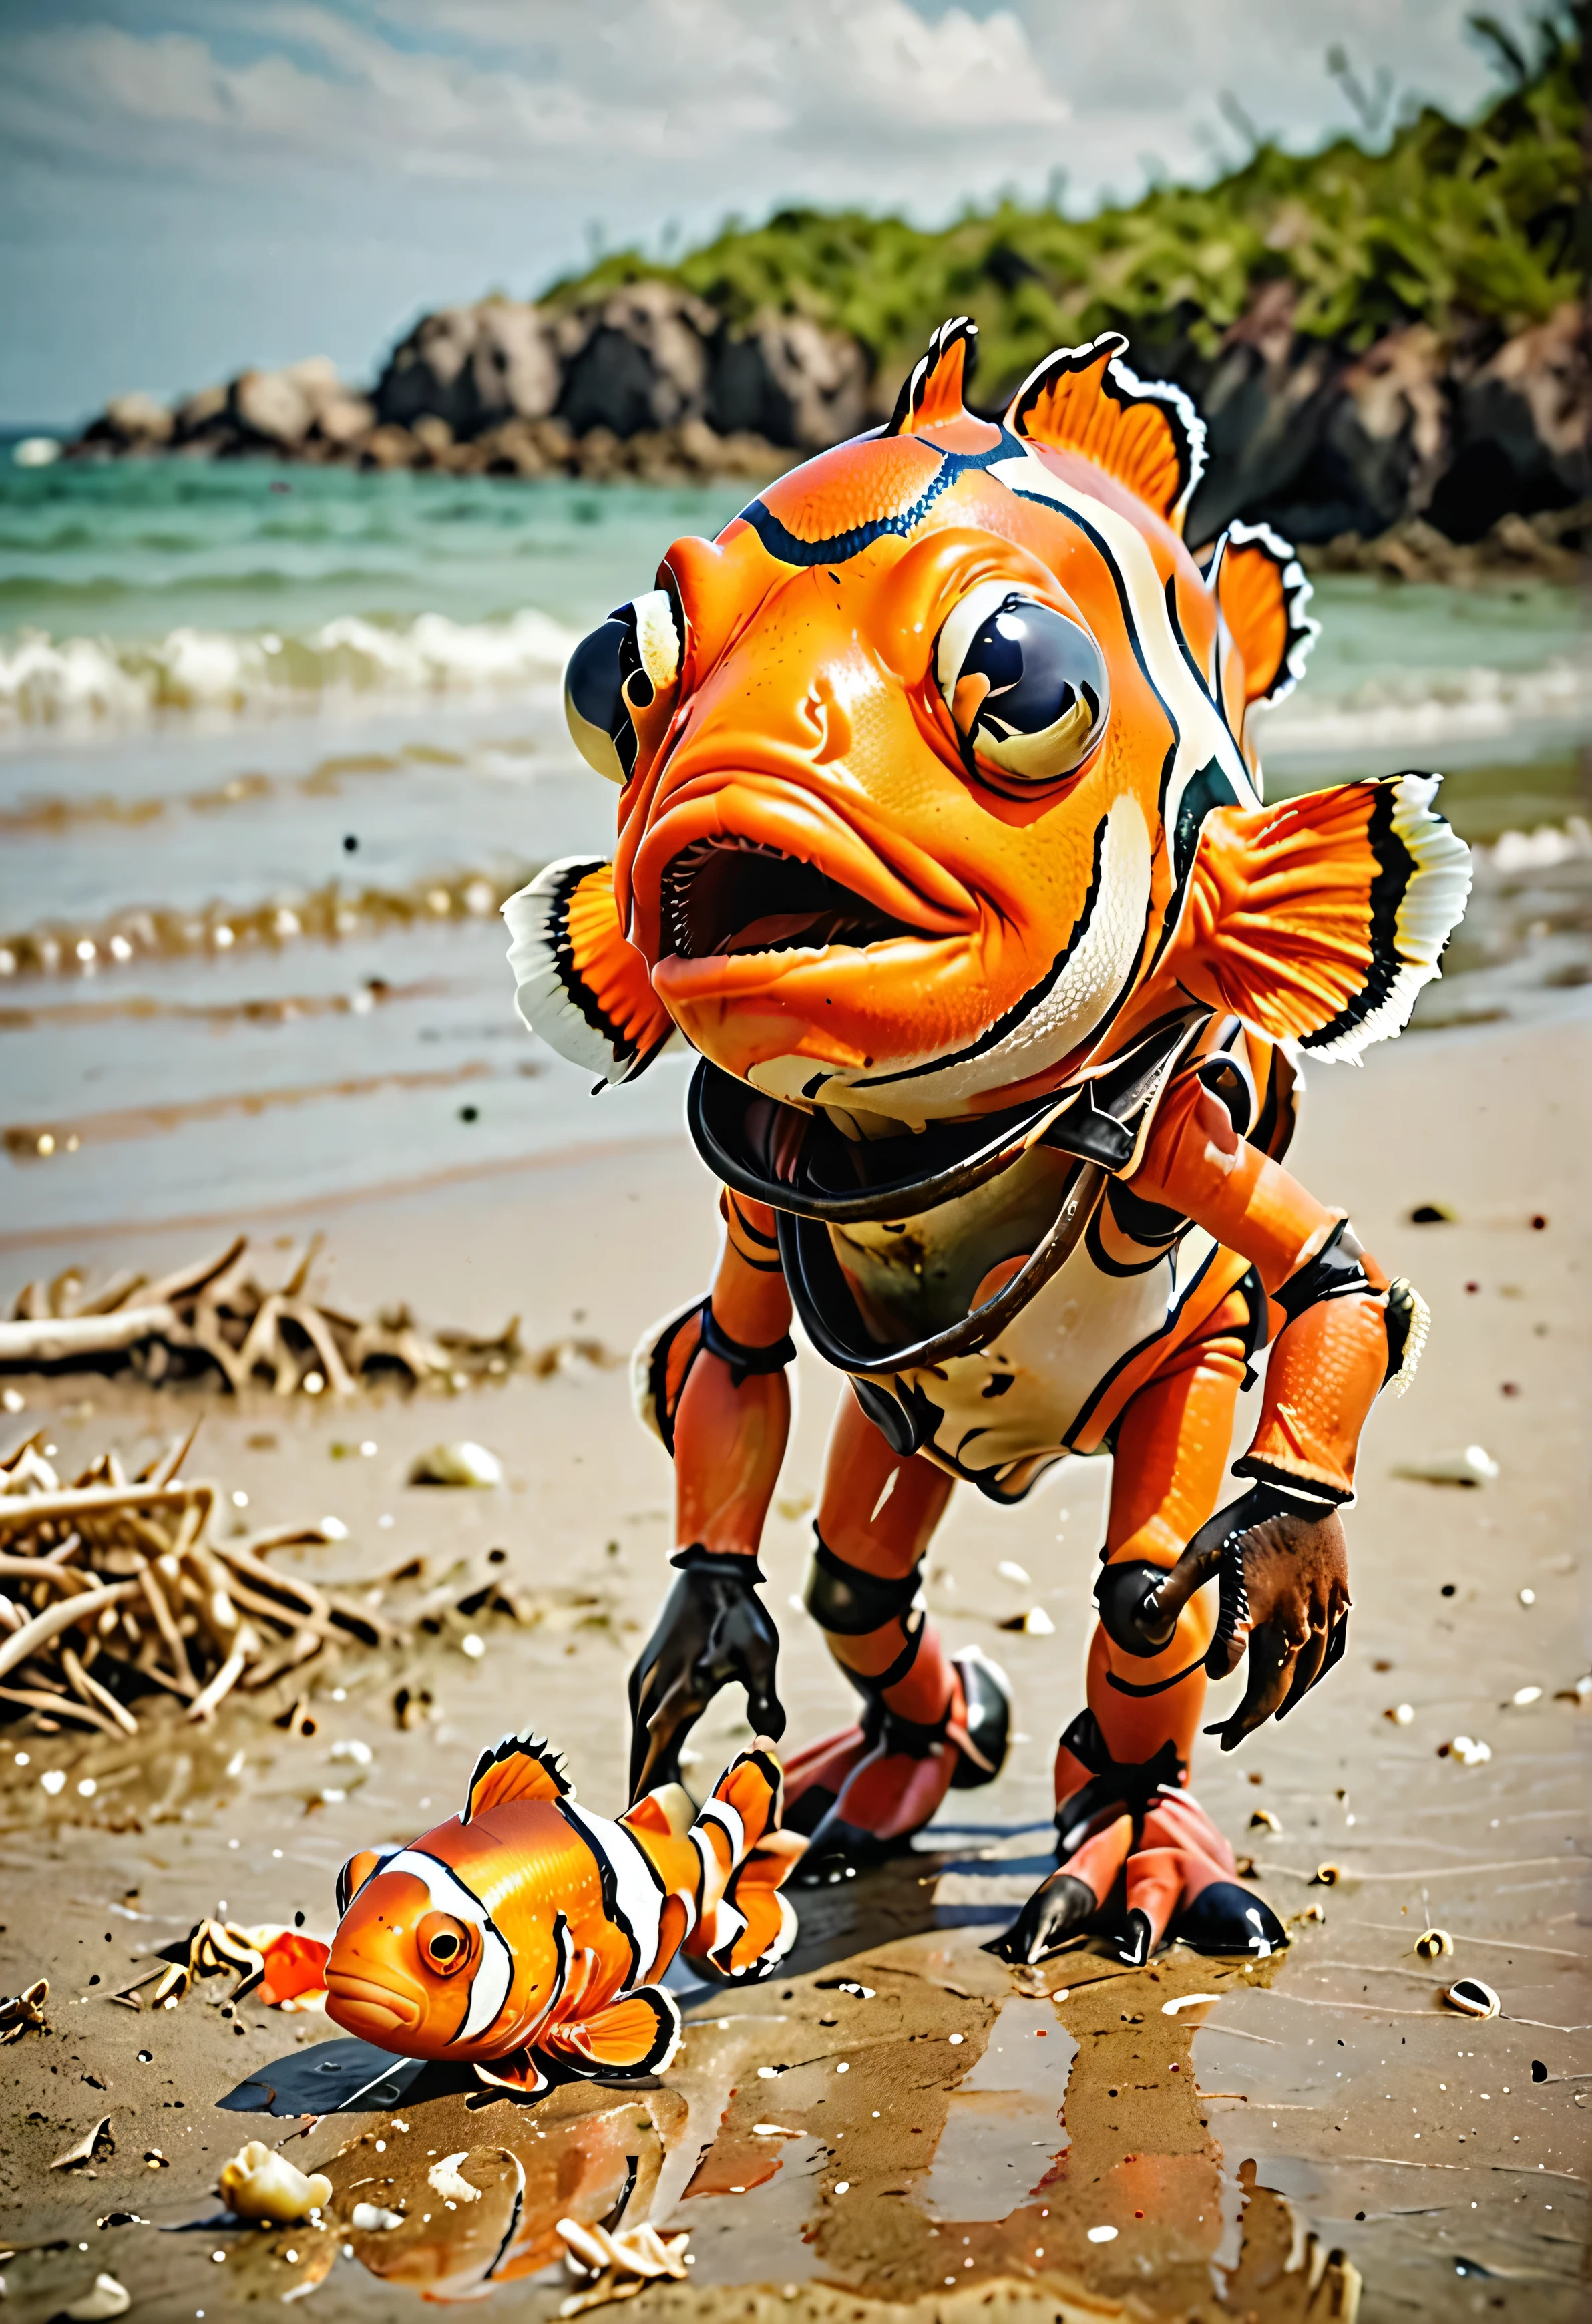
(46,680)
(1423,710)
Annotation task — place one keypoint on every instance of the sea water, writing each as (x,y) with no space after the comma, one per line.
(275,741)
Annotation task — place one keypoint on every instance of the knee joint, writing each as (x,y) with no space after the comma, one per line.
(849,1603)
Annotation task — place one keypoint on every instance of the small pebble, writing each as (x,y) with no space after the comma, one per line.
(1103,2234)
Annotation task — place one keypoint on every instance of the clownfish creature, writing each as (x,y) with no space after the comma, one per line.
(527,1934)
(941,839)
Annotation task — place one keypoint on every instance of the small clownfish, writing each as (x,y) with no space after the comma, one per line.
(527,1933)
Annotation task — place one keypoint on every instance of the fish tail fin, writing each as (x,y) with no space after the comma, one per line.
(1319,920)
(745,1926)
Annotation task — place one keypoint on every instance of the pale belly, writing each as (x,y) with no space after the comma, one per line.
(1002,1416)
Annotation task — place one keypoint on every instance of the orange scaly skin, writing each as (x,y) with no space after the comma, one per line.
(941,839)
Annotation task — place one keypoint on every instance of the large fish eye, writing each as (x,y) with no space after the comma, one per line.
(1026,687)
(622,667)
(445,1943)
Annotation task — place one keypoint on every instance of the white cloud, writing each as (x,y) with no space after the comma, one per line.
(321,166)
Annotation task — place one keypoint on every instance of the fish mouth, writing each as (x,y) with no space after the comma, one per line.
(725,896)
(368,2008)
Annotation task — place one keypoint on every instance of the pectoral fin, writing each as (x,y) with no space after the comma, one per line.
(518,2071)
(636,2034)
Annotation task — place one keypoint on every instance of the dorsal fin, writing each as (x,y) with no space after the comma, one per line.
(1260,586)
(578,981)
(932,393)
(1147,435)
(523,1766)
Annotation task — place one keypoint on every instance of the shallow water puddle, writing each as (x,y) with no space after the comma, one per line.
(1003,2127)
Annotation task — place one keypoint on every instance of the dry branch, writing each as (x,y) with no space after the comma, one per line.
(215,1318)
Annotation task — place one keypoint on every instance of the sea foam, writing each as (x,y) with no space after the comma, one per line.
(45,680)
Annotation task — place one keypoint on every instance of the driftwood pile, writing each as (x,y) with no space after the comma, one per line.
(217,1318)
(113,1591)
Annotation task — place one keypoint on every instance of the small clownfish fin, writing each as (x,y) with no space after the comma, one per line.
(1146,434)
(636,2034)
(578,984)
(358,1869)
(520,1767)
(1261,592)
(518,2071)
(1319,920)
(670,1811)
(745,1927)
(932,392)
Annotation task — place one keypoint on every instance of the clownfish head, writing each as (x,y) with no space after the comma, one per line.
(419,1966)
(913,757)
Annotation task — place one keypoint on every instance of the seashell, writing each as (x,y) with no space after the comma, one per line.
(461,1463)
(1326,1875)
(1431,1943)
(366,2217)
(446,2180)
(1467,1465)
(1472,1998)
(105,2298)
(260,2184)
(1262,1820)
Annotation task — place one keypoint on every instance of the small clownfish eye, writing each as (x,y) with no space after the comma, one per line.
(621,667)
(446,1945)
(1025,686)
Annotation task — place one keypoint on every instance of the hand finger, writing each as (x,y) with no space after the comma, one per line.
(1307,1669)
(659,1733)
(1270,1670)
(765,1713)
(1334,1646)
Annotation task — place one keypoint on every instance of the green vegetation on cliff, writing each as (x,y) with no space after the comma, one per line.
(1466,226)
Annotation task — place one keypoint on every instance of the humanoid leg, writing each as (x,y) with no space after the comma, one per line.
(928,1720)
(1122,1768)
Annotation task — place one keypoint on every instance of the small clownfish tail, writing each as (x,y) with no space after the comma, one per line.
(523,1766)
(578,982)
(745,1927)
(1319,920)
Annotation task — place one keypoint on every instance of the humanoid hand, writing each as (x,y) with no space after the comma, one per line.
(714,1628)
(1281,1564)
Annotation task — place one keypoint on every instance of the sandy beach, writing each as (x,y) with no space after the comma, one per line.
(959,2165)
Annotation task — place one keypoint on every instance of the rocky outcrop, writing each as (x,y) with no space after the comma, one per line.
(1324,443)
(473,367)
(648,382)
(1453,435)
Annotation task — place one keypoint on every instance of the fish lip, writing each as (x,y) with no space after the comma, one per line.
(888,885)
(695,927)
(363,1997)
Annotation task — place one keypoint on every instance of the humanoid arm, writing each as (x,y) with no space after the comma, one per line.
(722,1405)
(1341,1332)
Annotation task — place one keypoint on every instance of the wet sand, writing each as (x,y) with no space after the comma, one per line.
(986,2121)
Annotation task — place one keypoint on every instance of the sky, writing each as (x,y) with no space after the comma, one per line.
(187,187)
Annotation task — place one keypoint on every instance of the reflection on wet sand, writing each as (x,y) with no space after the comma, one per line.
(914,2121)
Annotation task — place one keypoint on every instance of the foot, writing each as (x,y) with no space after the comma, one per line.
(864,1792)
(1181,1885)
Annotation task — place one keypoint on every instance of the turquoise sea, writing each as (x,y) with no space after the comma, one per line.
(274,742)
